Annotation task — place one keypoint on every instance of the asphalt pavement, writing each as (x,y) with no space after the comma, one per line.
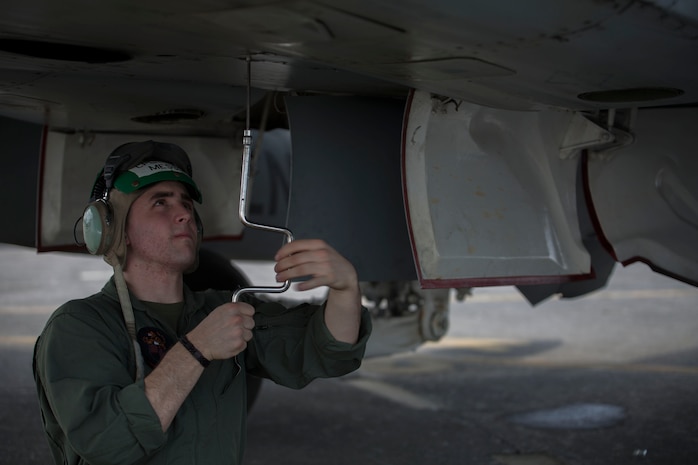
(608,379)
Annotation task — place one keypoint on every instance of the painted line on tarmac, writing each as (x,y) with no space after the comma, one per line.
(622,367)
(490,345)
(424,363)
(484,344)
(18,341)
(631,294)
(394,394)
(27,309)
(430,359)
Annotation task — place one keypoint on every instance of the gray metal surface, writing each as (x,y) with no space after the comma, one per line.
(350,193)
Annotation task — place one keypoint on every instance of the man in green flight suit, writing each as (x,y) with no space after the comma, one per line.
(149,372)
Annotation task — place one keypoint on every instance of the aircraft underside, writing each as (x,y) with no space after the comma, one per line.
(438,145)
(427,194)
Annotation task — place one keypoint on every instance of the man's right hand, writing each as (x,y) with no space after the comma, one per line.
(224,333)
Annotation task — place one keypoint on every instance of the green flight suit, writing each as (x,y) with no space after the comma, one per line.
(94,413)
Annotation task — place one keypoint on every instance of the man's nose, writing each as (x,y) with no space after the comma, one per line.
(184,214)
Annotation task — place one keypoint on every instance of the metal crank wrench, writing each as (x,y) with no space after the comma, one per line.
(242,210)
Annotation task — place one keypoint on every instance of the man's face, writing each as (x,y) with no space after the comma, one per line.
(161,229)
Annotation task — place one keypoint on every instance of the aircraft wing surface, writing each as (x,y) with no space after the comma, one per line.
(458,143)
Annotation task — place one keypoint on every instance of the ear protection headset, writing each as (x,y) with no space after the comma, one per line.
(98,221)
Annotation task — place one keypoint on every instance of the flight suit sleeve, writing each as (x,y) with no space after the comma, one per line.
(84,369)
(293,346)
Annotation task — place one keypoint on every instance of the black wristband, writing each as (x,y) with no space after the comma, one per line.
(194,351)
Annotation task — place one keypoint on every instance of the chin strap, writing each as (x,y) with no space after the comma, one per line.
(129,317)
